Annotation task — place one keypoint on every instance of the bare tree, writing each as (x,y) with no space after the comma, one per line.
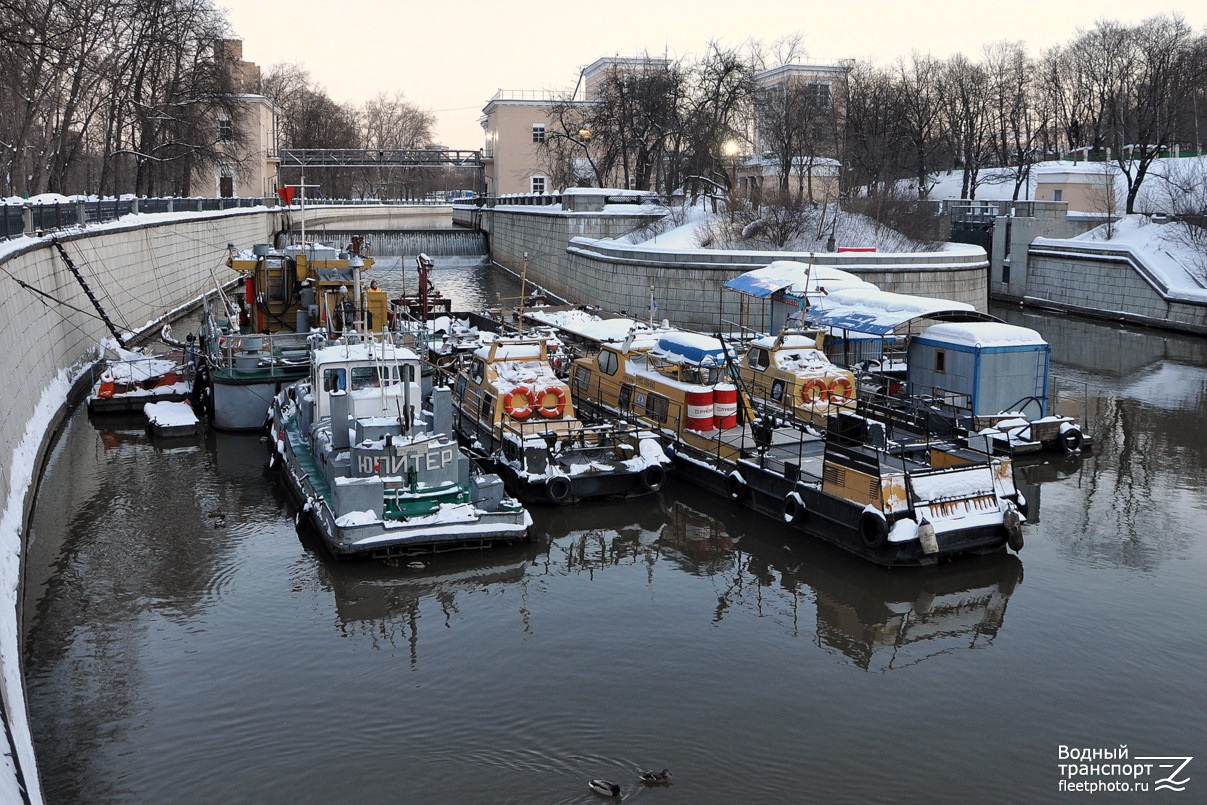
(919,82)
(1017,118)
(392,123)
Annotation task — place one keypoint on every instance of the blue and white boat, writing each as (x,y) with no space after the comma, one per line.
(376,474)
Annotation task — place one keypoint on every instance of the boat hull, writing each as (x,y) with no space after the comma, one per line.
(826,517)
(240,401)
(614,481)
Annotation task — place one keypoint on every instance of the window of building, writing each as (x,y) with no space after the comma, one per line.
(818,93)
(940,361)
(1058,195)
(226,129)
(538,184)
(538,132)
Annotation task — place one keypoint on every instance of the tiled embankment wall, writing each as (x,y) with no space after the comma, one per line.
(1108,283)
(50,331)
(567,257)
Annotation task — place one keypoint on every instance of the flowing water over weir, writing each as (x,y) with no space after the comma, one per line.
(185,643)
(396,243)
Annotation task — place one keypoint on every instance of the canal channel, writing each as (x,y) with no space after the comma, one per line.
(185,643)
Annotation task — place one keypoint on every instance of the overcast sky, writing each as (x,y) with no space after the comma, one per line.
(450,58)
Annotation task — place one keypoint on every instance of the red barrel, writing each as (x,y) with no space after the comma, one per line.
(699,410)
(725,405)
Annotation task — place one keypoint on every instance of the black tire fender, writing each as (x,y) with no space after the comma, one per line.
(558,489)
(794,508)
(652,478)
(873,528)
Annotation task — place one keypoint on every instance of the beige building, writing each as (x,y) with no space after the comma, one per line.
(1084,186)
(251,162)
(514,124)
(823,88)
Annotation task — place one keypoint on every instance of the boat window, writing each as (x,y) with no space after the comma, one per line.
(477,370)
(760,358)
(608,362)
(364,377)
(334,380)
(488,405)
(941,361)
(408,372)
(656,407)
(626,396)
(461,387)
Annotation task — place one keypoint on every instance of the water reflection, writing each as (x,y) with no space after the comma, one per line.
(880,619)
(384,602)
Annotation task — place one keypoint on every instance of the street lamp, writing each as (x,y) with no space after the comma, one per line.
(730,149)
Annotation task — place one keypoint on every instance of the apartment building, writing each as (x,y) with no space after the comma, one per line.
(250,163)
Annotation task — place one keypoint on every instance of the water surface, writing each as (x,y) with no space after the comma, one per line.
(185,643)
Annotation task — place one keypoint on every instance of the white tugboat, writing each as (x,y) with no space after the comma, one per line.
(377,475)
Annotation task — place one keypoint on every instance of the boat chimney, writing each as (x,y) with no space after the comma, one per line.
(339,420)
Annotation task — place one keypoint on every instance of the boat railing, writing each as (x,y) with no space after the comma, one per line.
(271,352)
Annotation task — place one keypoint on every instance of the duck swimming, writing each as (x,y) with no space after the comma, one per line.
(656,777)
(608,789)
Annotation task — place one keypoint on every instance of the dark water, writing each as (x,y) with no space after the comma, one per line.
(186,644)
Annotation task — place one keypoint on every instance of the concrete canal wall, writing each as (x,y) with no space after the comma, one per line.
(571,253)
(1035,262)
(142,272)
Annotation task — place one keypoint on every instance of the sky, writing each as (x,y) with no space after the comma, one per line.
(451,59)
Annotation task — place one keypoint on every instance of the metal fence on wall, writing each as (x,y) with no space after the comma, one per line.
(32,218)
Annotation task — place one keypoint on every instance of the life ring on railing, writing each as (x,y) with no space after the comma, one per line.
(559,401)
(652,478)
(873,528)
(558,489)
(840,390)
(524,408)
(814,391)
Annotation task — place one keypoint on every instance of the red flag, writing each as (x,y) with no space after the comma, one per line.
(286,193)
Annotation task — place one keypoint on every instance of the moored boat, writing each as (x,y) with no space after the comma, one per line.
(129,380)
(257,342)
(891,502)
(513,411)
(377,475)
(791,375)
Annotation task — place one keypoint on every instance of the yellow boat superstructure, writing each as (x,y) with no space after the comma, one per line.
(790,374)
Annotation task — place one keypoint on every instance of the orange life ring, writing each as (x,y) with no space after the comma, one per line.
(559,401)
(814,391)
(840,390)
(525,407)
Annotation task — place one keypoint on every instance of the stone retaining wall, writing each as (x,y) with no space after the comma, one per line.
(569,255)
(50,336)
(1105,282)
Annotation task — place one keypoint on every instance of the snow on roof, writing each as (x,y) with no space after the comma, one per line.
(694,348)
(506,351)
(364,352)
(878,312)
(795,277)
(590,326)
(983,334)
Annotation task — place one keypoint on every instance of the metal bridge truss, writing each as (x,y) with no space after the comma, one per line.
(308,158)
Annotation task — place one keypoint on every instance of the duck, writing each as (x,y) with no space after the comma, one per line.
(656,777)
(604,787)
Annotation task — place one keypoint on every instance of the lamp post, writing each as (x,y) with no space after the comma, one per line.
(731,149)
